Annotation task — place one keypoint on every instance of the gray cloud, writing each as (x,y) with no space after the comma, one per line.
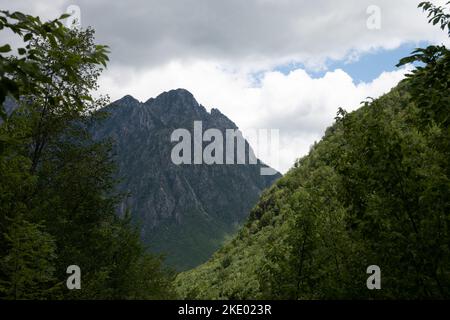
(241,32)
(215,47)
(236,31)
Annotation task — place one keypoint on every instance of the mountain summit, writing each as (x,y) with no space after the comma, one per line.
(184,211)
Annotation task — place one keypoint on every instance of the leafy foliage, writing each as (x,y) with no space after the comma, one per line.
(57,198)
(27,72)
(429,83)
(29,264)
(437,14)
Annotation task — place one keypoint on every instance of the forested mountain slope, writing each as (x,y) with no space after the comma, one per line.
(373,191)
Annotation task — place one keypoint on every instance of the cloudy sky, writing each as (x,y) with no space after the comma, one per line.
(268,64)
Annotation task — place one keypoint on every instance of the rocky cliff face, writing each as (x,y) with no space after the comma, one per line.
(184,211)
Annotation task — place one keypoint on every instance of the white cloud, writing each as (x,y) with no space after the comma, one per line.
(300,106)
(214,47)
(250,34)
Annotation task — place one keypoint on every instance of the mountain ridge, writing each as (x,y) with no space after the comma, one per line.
(184,211)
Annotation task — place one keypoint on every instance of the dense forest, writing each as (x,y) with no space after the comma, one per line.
(374,191)
(57,195)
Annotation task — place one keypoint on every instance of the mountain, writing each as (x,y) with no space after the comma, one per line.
(184,211)
(370,201)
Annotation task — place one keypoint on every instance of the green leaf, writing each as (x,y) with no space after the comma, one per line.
(64,16)
(28,37)
(5,48)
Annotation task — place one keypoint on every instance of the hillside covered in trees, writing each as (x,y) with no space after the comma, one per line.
(374,191)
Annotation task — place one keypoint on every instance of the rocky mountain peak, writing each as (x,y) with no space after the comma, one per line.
(177,96)
(177,206)
(127,100)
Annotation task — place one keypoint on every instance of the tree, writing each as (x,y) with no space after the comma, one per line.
(29,264)
(429,83)
(24,73)
(57,194)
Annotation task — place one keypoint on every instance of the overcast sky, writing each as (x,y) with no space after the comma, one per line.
(281,64)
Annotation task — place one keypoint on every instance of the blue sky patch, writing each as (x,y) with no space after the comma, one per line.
(368,67)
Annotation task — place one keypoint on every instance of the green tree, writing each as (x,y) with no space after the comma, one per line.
(429,83)
(29,264)
(57,183)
